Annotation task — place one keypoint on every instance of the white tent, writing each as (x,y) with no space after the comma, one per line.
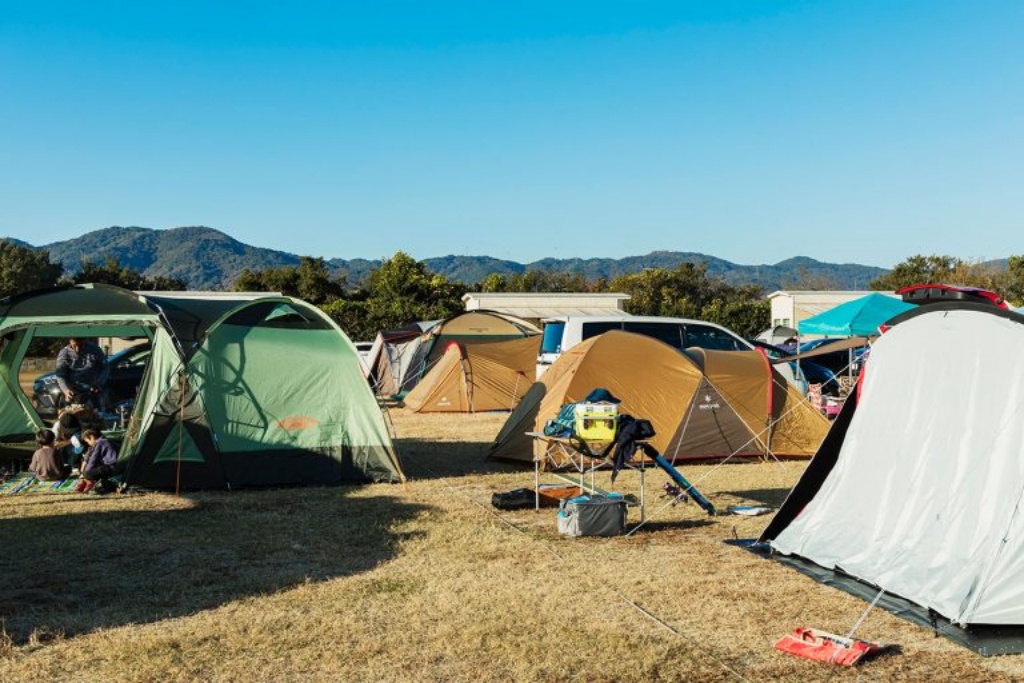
(389,359)
(919,487)
(777,336)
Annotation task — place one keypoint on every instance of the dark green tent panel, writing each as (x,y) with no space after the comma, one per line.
(239,391)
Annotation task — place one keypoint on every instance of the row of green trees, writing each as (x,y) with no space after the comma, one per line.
(23,269)
(1008,281)
(402,290)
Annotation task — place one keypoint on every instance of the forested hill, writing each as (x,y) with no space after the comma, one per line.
(205,258)
(799,271)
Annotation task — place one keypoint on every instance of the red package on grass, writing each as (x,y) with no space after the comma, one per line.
(820,646)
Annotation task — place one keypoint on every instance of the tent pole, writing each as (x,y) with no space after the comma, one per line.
(181,426)
(771,399)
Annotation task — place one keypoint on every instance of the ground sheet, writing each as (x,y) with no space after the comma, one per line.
(26,482)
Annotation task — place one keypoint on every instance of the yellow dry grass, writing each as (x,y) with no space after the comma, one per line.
(422,582)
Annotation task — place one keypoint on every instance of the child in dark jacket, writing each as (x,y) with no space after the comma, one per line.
(101,460)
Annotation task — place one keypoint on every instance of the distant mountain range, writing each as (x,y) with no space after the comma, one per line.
(205,258)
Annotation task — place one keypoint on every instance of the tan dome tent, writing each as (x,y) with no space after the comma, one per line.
(783,422)
(469,327)
(738,406)
(238,391)
(472,378)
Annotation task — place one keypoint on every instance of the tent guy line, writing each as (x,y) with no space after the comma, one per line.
(618,593)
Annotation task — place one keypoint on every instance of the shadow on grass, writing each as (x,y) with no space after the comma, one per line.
(681,525)
(76,572)
(440,459)
(772,497)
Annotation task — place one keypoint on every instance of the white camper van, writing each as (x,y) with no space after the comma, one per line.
(564,332)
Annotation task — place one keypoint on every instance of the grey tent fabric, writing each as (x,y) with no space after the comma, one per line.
(922,494)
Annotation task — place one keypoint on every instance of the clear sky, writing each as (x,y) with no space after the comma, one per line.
(862,131)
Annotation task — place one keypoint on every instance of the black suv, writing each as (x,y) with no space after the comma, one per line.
(126,370)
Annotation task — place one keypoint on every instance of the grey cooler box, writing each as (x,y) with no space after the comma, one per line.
(592,515)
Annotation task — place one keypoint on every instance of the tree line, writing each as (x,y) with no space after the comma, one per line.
(1007,282)
(23,269)
(403,290)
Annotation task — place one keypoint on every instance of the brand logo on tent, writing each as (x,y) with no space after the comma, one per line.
(296,423)
(708,405)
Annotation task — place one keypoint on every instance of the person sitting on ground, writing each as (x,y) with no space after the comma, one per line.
(68,432)
(101,460)
(46,463)
(82,370)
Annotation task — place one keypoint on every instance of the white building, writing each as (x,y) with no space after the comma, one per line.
(547,305)
(790,307)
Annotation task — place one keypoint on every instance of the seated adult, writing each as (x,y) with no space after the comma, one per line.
(46,461)
(82,371)
(101,460)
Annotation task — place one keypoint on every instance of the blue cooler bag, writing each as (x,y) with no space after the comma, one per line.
(592,515)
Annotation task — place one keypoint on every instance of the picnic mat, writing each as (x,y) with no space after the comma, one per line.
(26,482)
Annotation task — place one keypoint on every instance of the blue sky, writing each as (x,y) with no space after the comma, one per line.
(754,131)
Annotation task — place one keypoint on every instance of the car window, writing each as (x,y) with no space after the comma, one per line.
(589,330)
(134,360)
(552,340)
(707,337)
(773,353)
(670,333)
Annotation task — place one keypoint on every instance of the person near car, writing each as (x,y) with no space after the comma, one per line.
(101,459)
(46,461)
(81,369)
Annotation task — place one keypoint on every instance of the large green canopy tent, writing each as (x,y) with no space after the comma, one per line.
(239,391)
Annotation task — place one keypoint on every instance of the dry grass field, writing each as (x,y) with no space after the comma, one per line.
(422,582)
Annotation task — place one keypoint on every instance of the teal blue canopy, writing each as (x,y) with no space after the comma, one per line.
(860,317)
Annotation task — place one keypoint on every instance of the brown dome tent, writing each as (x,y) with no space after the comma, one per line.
(715,404)
(464,328)
(471,378)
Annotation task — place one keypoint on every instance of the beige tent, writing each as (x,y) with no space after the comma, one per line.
(736,405)
(469,327)
(471,378)
(780,420)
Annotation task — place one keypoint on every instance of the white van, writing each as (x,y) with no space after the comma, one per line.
(564,332)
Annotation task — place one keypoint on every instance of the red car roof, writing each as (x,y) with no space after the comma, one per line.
(922,294)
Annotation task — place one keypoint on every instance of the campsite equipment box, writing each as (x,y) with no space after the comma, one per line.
(596,421)
(593,515)
(552,495)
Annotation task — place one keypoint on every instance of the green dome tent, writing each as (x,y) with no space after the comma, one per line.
(239,391)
